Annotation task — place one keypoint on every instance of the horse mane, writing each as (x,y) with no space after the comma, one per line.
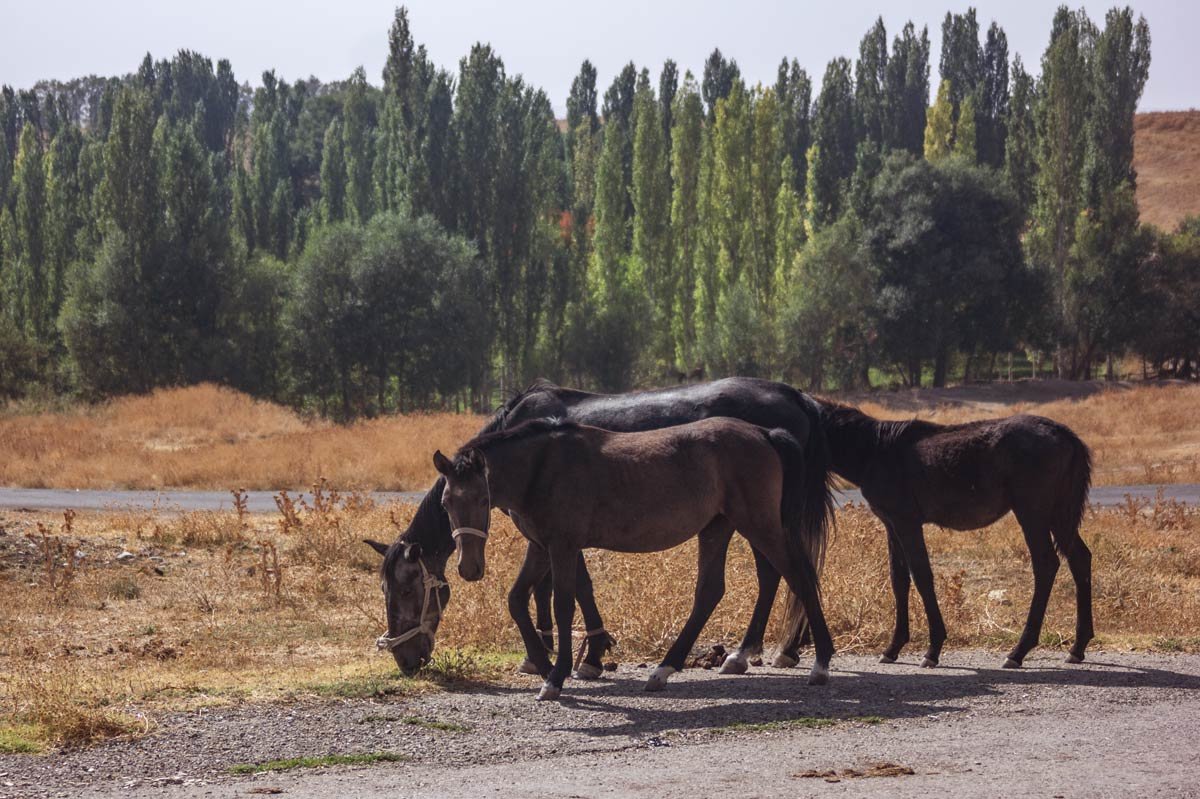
(500,416)
(885,432)
(529,429)
(432,533)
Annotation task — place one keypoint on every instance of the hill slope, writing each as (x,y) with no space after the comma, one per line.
(1167,159)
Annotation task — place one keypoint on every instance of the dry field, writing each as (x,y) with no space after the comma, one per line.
(1167,159)
(206,437)
(211,608)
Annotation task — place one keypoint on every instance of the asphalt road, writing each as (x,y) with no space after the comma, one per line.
(264,502)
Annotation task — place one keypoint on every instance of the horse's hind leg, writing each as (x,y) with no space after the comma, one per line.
(737,662)
(1079,559)
(1045,567)
(710,587)
(912,540)
(901,582)
(598,639)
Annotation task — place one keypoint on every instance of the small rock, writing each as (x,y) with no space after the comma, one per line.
(999,596)
(610,665)
(125,556)
(756,661)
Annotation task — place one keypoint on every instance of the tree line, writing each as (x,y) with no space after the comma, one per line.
(356,249)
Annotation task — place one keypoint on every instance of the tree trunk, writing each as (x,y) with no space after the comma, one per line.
(939,367)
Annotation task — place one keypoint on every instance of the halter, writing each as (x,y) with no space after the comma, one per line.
(432,583)
(459,532)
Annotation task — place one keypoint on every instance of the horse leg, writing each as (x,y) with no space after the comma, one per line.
(534,568)
(912,541)
(545,622)
(598,639)
(801,577)
(737,662)
(900,587)
(564,561)
(710,587)
(1079,559)
(1045,566)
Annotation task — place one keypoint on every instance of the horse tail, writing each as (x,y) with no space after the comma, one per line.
(805,535)
(1068,512)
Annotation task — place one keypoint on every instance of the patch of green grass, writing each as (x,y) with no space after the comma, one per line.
(21,739)
(804,722)
(1176,644)
(467,665)
(317,762)
(868,719)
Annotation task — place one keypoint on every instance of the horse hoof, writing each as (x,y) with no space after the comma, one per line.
(886,659)
(549,691)
(819,675)
(734,665)
(784,661)
(1073,658)
(587,671)
(1009,663)
(528,668)
(658,678)
(928,663)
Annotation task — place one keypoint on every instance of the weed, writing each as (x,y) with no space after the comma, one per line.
(804,722)
(444,726)
(123,587)
(20,739)
(319,761)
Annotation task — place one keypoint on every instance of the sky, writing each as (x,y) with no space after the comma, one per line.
(543,41)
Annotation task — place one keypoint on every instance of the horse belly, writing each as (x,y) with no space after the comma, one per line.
(647,529)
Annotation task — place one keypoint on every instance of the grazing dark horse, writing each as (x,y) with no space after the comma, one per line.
(964,477)
(413,568)
(575,487)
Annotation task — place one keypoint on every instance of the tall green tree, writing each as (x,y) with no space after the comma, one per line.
(333,174)
(28,281)
(720,75)
(993,108)
(1020,166)
(832,159)
(652,250)
(688,138)
(358,146)
(870,86)
(908,90)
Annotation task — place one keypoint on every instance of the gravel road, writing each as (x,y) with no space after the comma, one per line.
(55,499)
(1119,725)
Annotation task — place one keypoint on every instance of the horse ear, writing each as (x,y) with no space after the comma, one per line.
(375,545)
(442,463)
(412,552)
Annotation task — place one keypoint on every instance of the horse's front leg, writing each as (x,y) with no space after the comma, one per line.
(533,569)
(710,587)
(563,562)
(737,662)
(912,540)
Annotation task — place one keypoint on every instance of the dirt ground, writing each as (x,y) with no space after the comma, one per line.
(1119,725)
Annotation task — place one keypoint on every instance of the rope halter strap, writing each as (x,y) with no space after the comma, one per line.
(461,531)
(432,584)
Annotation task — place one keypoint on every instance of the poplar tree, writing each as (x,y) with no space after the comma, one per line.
(765,159)
(870,86)
(939,130)
(27,282)
(358,147)
(965,132)
(993,110)
(651,193)
(333,175)
(832,157)
(1021,141)
(908,90)
(720,75)
(793,93)
(686,153)
(608,241)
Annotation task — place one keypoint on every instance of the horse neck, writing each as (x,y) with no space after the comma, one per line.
(854,441)
(430,527)
(513,467)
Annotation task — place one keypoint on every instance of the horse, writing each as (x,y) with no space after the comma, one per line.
(413,568)
(964,477)
(576,487)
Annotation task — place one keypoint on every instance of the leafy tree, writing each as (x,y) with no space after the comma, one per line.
(333,175)
(668,86)
(27,279)
(793,92)
(720,75)
(965,136)
(831,162)
(1020,145)
(357,114)
(939,130)
(651,192)
(908,90)
(993,110)
(870,85)
(687,135)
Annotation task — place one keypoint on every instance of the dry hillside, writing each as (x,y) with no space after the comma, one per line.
(1167,159)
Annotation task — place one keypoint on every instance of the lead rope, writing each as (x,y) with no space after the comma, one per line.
(583,645)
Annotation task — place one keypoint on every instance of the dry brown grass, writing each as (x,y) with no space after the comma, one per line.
(190,625)
(1146,434)
(1167,159)
(207,437)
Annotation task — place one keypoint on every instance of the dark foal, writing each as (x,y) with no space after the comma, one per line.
(422,551)
(576,487)
(965,477)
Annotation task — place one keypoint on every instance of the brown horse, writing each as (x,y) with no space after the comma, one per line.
(574,487)
(965,477)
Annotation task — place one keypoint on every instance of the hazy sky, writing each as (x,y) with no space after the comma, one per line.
(544,41)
